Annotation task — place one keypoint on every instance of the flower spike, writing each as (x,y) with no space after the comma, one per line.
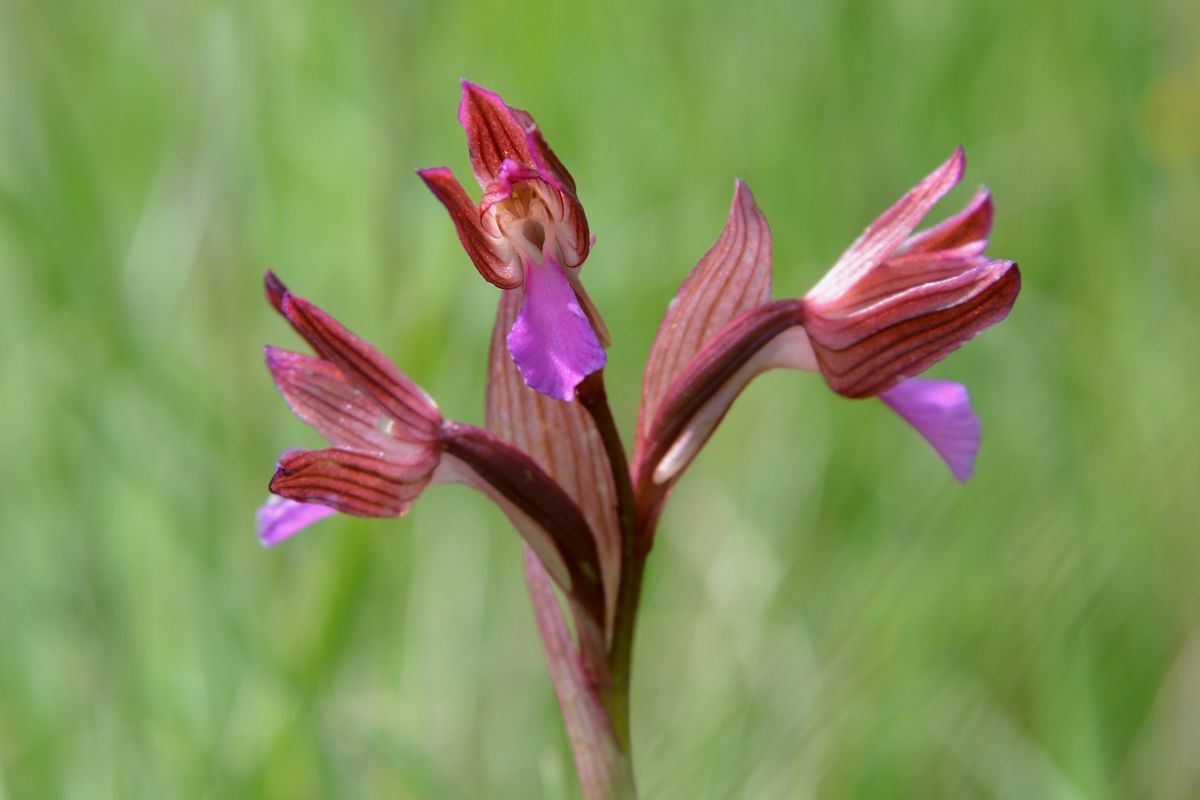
(896,302)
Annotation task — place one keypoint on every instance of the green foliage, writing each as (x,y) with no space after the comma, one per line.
(827,614)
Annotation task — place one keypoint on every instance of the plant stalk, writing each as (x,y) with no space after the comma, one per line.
(592,395)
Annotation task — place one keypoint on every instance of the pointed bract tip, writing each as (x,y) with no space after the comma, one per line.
(470,89)
(469,85)
(275,289)
(958,162)
(982,205)
(742,194)
(429,174)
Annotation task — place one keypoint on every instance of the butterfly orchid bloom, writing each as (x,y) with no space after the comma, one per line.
(528,235)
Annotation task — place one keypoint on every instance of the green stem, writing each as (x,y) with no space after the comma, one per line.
(592,395)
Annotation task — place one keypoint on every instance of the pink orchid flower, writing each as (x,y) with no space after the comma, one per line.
(892,306)
(389,442)
(528,235)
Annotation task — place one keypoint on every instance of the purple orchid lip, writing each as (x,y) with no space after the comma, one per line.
(280,518)
(552,341)
(941,412)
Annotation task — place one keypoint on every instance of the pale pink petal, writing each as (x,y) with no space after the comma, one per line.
(279,518)
(888,232)
(561,438)
(734,276)
(552,342)
(968,229)
(941,412)
(763,338)
(318,393)
(416,415)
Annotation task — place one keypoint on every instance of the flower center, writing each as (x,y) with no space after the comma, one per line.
(524,220)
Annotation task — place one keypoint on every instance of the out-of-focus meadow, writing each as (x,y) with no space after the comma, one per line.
(827,613)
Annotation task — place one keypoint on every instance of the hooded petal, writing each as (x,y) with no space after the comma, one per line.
(734,276)
(415,414)
(941,412)
(352,482)
(495,258)
(279,518)
(571,225)
(552,342)
(889,231)
(552,169)
(568,227)
(493,130)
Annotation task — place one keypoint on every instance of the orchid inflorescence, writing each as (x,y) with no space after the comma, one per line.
(551,457)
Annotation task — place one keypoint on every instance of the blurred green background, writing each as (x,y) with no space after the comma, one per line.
(827,613)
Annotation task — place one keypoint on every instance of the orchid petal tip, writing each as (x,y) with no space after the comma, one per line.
(275,289)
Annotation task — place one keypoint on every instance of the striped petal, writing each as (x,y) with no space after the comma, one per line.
(494,132)
(862,354)
(734,276)
(561,438)
(968,228)
(495,258)
(360,484)
(318,393)
(546,517)
(415,414)
(889,231)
